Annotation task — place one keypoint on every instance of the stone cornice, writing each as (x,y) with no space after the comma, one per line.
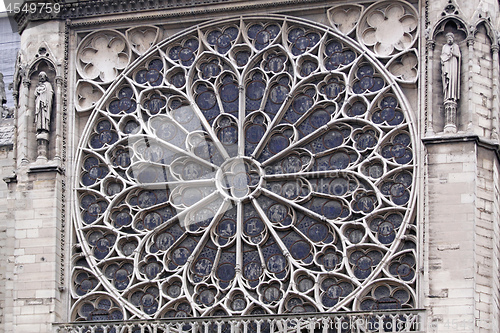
(463,138)
(74,10)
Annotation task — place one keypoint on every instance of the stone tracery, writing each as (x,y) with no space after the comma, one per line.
(236,168)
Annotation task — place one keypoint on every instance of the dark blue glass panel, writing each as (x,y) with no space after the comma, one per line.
(180,255)
(378,84)
(254,133)
(319,118)
(242,58)
(255,90)
(300,250)
(333,139)
(302,103)
(317,232)
(156,64)
(186,54)
(164,241)
(152,270)
(402,296)
(277,213)
(226,272)
(140,78)
(349,56)
(224,41)
(174,52)
(332,209)
(229,92)
(131,127)
(276,64)
(308,67)
(376,170)
(155,104)
(366,83)
(339,186)
(330,260)
(226,228)
(276,263)
(333,89)
(210,70)
(206,100)
(228,135)
(366,140)
(368,305)
(406,158)
(252,271)
(402,199)
(154,77)
(364,204)
(152,220)
(278,143)
(340,160)
(239,304)
(388,304)
(254,30)
(147,199)
(90,163)
(203,267)
(114,107)
(253,227)
(212,37)
(333,47)
(123,219)
(357,109)
(365,70)
(178,80)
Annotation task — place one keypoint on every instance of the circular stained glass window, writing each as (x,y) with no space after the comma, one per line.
(246,180)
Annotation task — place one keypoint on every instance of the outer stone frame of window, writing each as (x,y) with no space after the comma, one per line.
(243,168)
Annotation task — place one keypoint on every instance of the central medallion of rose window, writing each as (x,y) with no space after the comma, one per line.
(239,177)
(246,168)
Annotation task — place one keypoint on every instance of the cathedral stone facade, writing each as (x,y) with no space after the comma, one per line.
(252,166)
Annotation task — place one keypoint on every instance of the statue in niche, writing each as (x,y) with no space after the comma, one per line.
(450,65)
(450,74)
(43,108)
(43,103)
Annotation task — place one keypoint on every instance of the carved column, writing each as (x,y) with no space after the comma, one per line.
(430,44)
(495,106)
(58,120)
(24,137)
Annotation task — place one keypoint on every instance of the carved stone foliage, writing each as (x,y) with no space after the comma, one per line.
(255,166)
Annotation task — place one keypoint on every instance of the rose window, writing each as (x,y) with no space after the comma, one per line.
(246,167)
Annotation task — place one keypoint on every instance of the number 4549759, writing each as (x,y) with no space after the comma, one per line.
(33,7)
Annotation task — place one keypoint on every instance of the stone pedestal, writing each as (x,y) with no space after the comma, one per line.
(450,113)
(42,140)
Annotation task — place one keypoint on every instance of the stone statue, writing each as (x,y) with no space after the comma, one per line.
(450,66)
(43,103)
(450,74)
